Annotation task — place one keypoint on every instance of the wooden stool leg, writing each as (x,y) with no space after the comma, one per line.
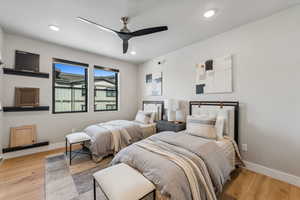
(94,189)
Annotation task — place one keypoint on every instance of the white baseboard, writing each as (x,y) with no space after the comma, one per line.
(276,174)
(33,150)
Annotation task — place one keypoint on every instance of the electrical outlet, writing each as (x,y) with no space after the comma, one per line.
(244,147)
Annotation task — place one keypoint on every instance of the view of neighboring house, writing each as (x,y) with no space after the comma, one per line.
(70,89)
(105,92)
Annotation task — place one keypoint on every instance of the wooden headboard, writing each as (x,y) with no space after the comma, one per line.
(221,104)
(158,104)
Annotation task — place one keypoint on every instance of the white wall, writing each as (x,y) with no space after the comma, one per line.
(266,82)
(1,95)
(50,126)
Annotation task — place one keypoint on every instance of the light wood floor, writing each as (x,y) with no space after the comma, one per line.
(23,179)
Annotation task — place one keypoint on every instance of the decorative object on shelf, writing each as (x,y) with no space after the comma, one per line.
(172,106)
(154,84)
(22,136)
(214,76)
(163,125)
(25,61)
(27,97)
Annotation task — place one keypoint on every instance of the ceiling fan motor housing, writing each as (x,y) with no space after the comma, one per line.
(125,21)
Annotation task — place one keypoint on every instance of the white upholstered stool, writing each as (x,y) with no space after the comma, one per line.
(122,182)
(75,138)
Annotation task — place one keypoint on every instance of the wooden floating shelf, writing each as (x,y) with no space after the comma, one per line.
(24,109)
(11,149)
(25,73)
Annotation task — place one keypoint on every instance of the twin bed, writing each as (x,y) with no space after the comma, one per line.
(184,166)
(110,137)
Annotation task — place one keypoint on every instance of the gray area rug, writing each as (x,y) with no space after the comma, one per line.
(75,182)
(63,182)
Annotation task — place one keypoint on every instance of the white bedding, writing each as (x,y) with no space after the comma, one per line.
(226,146)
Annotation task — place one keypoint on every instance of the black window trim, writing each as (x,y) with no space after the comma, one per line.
(117,89)
(57,60)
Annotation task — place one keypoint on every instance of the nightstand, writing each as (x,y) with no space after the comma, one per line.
(163,125)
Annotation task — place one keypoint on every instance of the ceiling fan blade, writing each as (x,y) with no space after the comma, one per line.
(97,25)
(125,46)
(147,31)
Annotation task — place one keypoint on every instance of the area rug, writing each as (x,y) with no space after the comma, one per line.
(75,182)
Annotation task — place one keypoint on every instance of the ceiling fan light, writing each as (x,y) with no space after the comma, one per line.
(209,13)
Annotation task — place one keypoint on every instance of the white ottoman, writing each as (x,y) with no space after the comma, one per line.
(75,138)
(122,182)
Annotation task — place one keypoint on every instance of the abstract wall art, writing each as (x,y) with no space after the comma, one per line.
(154,84)
(214,76)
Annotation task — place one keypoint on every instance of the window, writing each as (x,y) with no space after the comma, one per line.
(69,86)
(105,89)
(111,93)
(111,106)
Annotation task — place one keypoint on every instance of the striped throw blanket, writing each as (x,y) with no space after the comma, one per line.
(118,133)
(193,172)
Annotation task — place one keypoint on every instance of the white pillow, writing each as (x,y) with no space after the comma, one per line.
(143,117)
(152,118)
(225,114)
(202,126)
(220,125)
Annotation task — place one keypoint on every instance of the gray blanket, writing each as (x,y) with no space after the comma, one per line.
(169,178)
(101,144)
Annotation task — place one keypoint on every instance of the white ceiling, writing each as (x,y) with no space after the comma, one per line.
(183,17)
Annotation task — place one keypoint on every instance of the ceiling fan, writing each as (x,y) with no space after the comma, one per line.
(125,34)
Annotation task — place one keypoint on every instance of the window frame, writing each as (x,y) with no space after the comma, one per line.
(115,90)
(58,60)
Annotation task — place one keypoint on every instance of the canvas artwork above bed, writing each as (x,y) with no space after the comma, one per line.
(154,84)
(214,76)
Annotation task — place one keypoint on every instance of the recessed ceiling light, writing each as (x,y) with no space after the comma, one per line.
(53,27)
(132,52)
(209,13)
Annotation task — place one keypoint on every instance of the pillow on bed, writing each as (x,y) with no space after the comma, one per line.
(143,117)
(152,118)
(220,126)
(202,126)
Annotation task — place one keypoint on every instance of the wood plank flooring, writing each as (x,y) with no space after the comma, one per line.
(23,179)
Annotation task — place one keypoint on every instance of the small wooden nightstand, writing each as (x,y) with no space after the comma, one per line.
(163,125)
